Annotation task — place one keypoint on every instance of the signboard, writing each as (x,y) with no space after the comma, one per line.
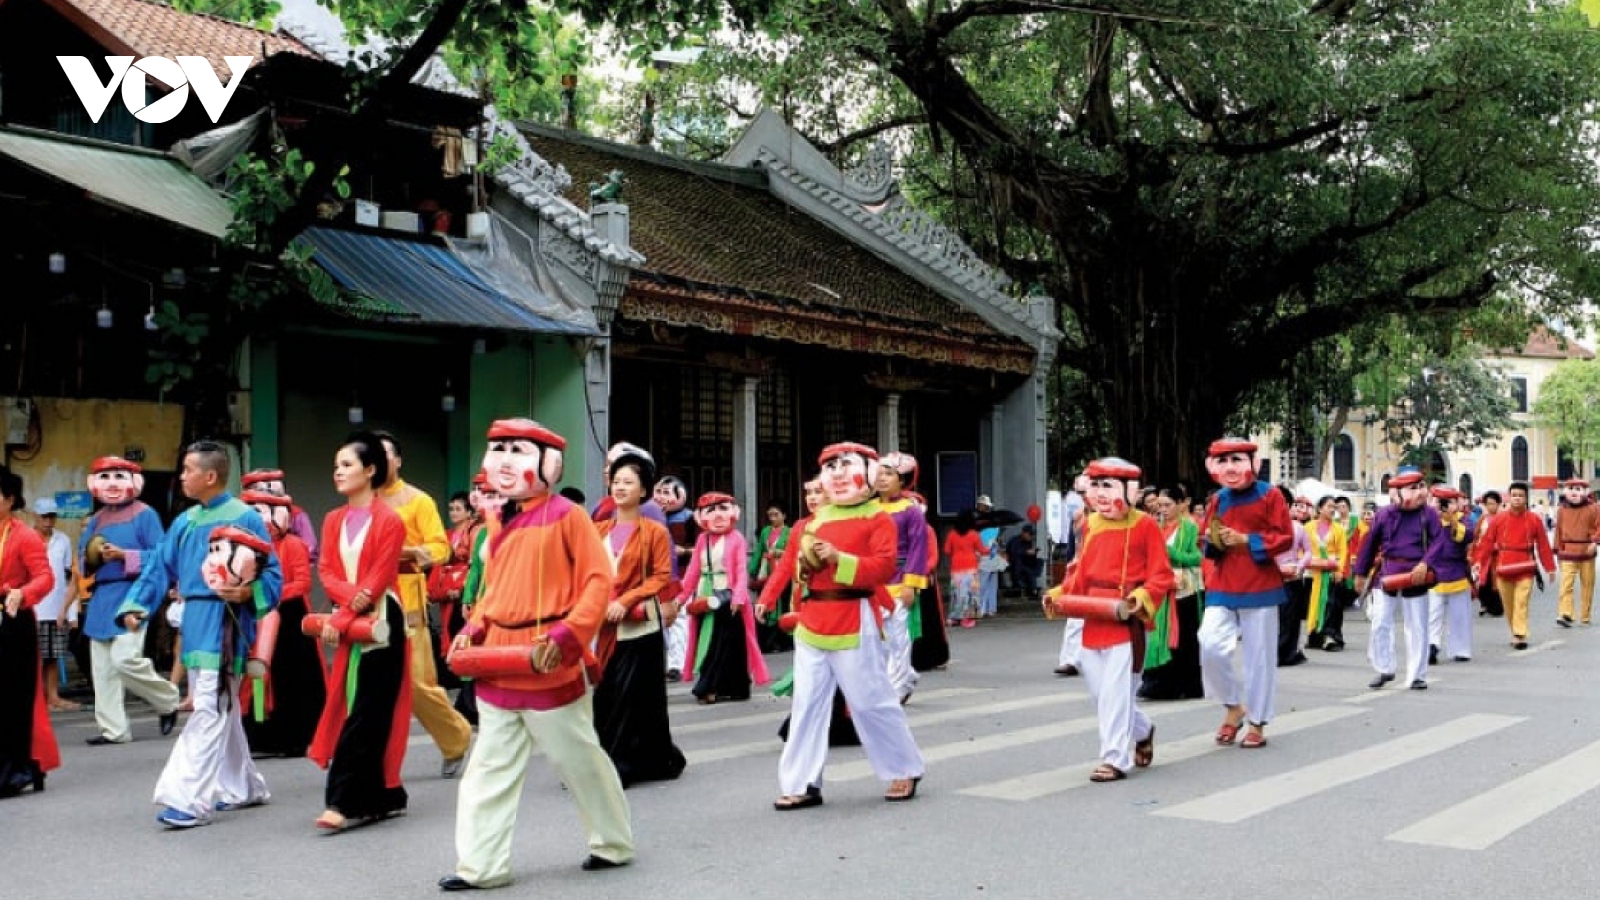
(957,481)
(1055,511)
(74,504)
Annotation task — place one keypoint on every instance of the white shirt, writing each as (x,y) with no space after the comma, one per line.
(59,549)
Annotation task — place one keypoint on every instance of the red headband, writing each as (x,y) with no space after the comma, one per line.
(1231,445)
(261,475)
(1576,482)
(1112,467)
(113,464)
(844,447)
(239,536)
(712,498)
(525,429)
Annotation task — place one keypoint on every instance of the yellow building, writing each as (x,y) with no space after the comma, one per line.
(1362,461)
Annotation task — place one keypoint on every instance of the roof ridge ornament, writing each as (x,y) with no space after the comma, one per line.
(873,174)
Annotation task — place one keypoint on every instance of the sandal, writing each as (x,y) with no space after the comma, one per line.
(331,822)
(1227,732)
(902,789)
(1144,752)
(1106,772)
(798,801)
(1255,740)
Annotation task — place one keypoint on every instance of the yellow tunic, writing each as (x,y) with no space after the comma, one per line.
(424,529)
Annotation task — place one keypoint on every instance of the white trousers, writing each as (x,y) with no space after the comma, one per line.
(1248,639)
(1382,612)
(875,710)
(897,628)
(1108,674)
(119,666)
(1450,623)
(210,763)
(1071,643)
(677,638)
(491,787)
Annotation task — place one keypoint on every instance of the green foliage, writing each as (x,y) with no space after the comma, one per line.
(1457,403)
(1569,405)
(259,13)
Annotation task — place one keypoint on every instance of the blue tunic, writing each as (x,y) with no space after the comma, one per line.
(181,558)
(135,529)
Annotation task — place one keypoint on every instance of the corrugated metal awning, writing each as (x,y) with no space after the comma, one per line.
(144,181)
(425,281)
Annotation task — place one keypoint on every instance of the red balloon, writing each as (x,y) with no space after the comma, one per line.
(1035,513)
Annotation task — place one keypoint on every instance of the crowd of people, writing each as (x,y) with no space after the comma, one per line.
(560,626)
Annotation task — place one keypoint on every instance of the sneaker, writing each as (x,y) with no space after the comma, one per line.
(177,818)
(1419,685)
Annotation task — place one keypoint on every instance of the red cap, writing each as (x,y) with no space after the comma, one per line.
(480,478)
(113,464)
(262,498)
(1231,445)
(1444,493)
(1575,481)
(712,498)
(1113,467)
(261,475)
(240,536)
(843,447)
(525,429)
(1406,479)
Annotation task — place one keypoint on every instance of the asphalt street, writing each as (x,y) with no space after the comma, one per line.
(1481,785)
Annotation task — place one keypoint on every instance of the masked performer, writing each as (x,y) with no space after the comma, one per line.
(546,588)
(673,497)
(1450,601)
(270,481)
(846,559)
(112,547)
(27,744)
(630,703)
(1403,536)
(361,738)
(722,626)
(283,708)
(1124,560)
(210,767)
(897,473)
(1246,526)
(1577,530)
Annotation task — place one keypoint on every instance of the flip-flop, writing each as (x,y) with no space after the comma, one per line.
(1144,752)
(1255,740)
(910,794)
(1228,732)
(798,801)
(1105,773)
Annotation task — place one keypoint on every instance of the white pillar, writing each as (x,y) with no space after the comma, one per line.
(889,423)
(745,477)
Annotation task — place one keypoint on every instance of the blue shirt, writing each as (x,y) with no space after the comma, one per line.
(135,529)
(181,558)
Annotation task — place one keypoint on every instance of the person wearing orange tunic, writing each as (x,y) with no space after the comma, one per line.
(547,585)
(1124,559)
(1577,530)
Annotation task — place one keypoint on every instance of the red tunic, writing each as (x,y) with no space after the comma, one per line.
(1121,558)
(25,565)
(1513,538)
(378,573)
(867,541)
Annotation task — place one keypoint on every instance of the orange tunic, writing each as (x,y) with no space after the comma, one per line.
(548,577)
(644,572)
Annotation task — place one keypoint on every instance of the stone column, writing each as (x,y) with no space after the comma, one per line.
(745,477)
(889,423)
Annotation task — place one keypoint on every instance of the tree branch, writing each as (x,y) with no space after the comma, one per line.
(871,131)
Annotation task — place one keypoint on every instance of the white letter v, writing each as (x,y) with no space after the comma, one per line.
(91,93)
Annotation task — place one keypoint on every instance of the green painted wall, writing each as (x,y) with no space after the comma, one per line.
(263,403)
(560,401)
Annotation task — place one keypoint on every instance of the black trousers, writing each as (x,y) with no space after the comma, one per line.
(1291,615)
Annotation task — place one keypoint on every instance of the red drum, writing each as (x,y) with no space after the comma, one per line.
(1394,584)
(699,606)
(260,661)
(492,662)
(1516,570)
(789,622)
(1077,606)
(1322,565)
(363,630)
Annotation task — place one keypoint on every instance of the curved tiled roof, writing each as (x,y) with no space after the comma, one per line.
(715,228)
(147,28)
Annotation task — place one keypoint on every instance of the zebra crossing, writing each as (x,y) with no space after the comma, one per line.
(982,745)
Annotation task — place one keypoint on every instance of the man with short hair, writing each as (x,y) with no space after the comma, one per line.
(210,768)
(427,545)
(1513,549)
(54,610)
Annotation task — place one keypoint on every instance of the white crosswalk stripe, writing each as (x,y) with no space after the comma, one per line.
(1484,820)
(774,717)
(1266,794)
(1054,781)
